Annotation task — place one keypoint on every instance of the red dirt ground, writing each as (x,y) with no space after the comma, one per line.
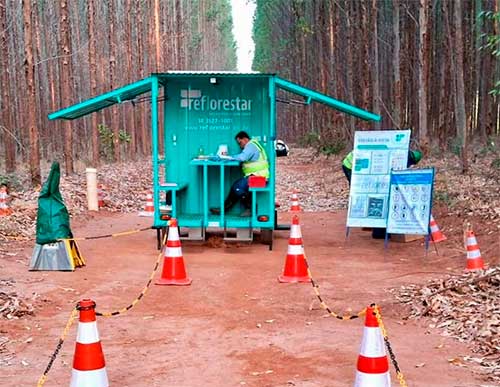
(235,325)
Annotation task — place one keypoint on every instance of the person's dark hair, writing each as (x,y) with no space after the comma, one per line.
(242,135)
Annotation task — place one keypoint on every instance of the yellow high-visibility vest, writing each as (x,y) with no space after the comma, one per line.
(259,167)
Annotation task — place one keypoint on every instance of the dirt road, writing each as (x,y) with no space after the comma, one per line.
(235,325)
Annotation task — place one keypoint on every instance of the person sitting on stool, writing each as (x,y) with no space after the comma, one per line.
(254,162)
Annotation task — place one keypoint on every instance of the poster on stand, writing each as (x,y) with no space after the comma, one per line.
(410,201)
(375,154)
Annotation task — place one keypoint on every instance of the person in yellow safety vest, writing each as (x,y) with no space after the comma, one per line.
(254,162)
(414,156)
(347,166)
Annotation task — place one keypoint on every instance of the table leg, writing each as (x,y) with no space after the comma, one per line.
(254,207)
(174,204)
(222,209)
(205,196)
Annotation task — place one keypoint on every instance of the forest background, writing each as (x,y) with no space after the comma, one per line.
(428,65)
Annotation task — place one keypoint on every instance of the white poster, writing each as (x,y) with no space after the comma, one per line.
(375,153)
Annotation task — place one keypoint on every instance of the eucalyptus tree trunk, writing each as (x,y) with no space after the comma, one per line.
(29,68)
(375,62)
(6,127)
(423,65)
(65,77)
(460,106)
(93,78)
(397,95)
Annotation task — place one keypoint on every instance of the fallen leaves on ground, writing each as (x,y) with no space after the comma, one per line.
(465,307)
(11,305)
(319,179)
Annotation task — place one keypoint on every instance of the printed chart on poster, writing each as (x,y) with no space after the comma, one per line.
(375,153)
(410,201)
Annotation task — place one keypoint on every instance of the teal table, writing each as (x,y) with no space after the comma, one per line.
(222,164)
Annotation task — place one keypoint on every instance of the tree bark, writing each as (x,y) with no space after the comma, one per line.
(365,55)
(375,62)
(6,128)
(396,65)
(65,76)
(349,71)
(423,64)
(29,68)
(93,78)
(460,108)
(112,79)
(178,31)
(157,35)
(130,110)
(140,52)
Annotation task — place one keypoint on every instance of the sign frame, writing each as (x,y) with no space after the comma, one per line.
(410,201)
(375,154)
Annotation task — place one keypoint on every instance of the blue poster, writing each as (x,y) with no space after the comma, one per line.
(410,201)
(375,154)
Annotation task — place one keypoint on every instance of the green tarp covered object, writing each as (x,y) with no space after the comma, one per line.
(52,221)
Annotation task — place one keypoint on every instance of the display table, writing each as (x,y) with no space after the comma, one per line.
(221,164)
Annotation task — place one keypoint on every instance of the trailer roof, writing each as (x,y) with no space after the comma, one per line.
(224,73)
(131,91)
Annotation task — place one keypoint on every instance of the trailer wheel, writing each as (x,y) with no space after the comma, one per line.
(266,237)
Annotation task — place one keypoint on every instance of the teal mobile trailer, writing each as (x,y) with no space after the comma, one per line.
(201,112)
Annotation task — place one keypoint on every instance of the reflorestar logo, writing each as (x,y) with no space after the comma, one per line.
(194,100)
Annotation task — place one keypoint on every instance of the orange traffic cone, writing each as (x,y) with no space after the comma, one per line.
(4,197)
(174,272)
(295,207)
(474,259)
(100,195)
(149,209)
(89,368)
(295,264)
(373,364)
(436,234)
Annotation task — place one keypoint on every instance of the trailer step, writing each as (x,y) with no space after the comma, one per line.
(192,234)
(242,235)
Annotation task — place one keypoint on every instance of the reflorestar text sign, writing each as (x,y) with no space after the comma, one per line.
(194,100)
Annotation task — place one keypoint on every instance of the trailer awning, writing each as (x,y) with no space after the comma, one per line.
(129,92)
(325,99)
(102,101)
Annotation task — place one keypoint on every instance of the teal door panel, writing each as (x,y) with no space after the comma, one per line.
(199,116)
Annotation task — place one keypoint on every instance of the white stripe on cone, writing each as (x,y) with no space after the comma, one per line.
(149,202)
(149,209)
(372,380)
(373,343)
(173,234)
(295,231)
(95,378)
(87,333)
(471,241)
(434,228)
(474,254)
(3,201)
(295,250)
(173,252)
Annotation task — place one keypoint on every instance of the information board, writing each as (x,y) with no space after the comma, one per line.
(375,153)
(410,201)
